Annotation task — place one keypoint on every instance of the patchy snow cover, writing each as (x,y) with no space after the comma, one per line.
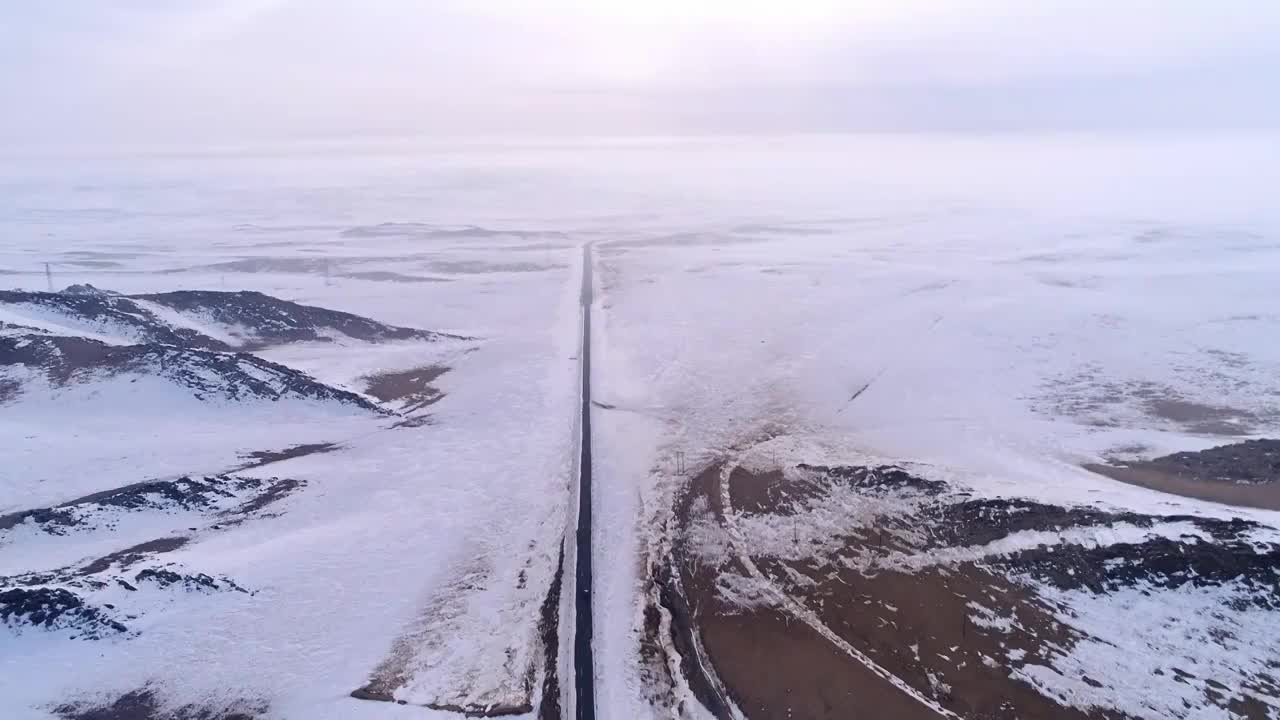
(233,336)
(997,336)
(1029,539)
(95,525)
(1161,653)
(103,316)
(347,364)
(815,537)
(24,318)
(999,309)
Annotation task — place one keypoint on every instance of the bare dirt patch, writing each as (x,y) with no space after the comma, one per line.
(765,492)
(1202,418)
(772,664)
(1253,462)
(1104,402)
(925,602)
(274,492)
(1266,497)
(132,555)
(266,457)
(411,388)
(1246,474)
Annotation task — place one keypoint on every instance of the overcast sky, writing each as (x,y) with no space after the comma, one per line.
(136,70)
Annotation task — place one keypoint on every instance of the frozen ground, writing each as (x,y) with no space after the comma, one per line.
(1001,309)
(464,510)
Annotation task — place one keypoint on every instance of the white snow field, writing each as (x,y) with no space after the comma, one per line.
(999,309)
(466,510)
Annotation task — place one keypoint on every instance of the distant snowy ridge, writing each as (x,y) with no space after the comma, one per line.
(201,319)
(253,319)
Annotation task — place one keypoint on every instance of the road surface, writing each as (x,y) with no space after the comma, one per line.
(583,657)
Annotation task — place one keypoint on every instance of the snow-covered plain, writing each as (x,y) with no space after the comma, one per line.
(1002,327)
(1003,309)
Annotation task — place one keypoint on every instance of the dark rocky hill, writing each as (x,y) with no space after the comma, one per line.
(207,374)
(199,319)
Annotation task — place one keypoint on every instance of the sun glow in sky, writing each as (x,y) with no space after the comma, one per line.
(762,12)
(676,40)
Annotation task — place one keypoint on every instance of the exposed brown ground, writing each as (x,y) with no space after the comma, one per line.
(778,668)
(1201,418)
(770,664)
(1242,473)
(412,387)
(916,626)
(132,555)
(277,491)
(266,457)
(1266,497)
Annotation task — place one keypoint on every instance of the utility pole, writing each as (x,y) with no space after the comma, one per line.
(48,276)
